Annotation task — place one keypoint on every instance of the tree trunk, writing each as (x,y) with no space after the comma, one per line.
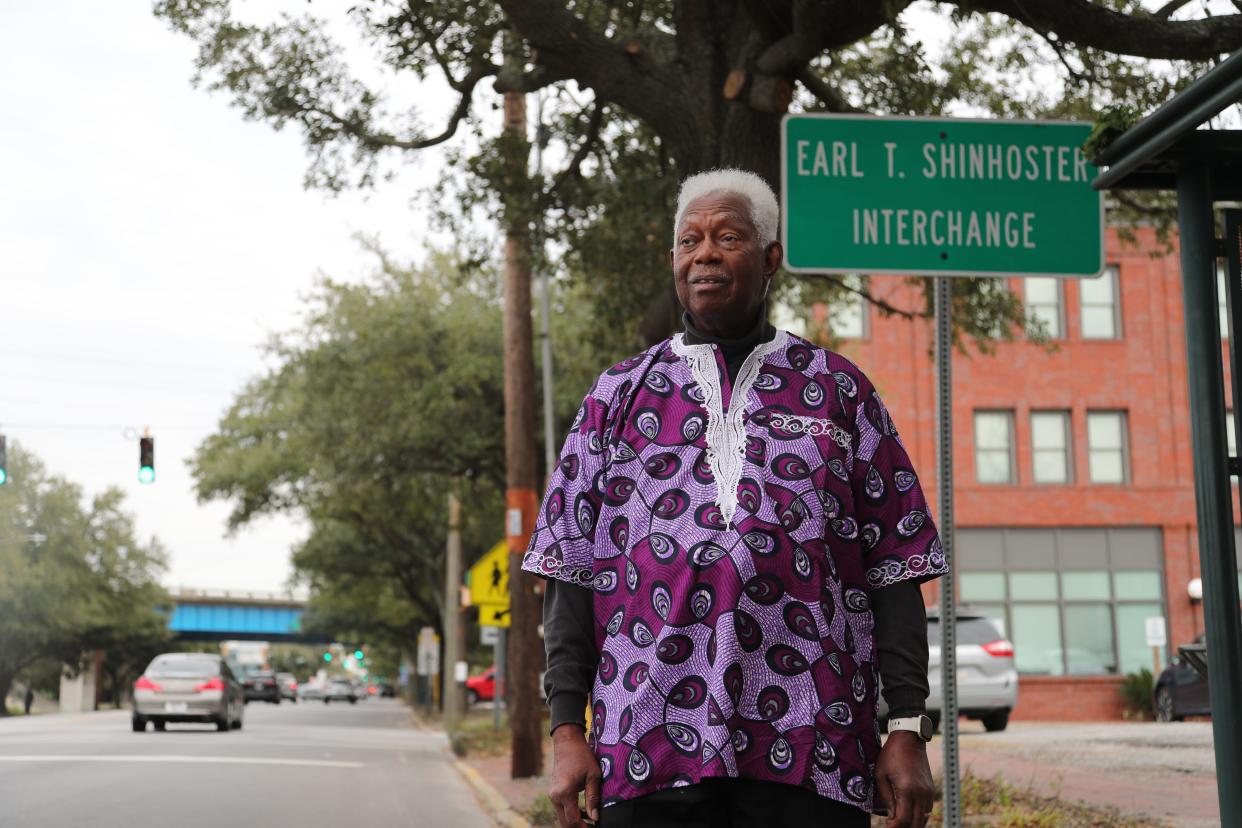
(6,682)
(525,606)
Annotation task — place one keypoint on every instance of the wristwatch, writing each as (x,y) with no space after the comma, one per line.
(921,726)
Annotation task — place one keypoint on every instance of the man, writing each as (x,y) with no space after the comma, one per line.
(733,541)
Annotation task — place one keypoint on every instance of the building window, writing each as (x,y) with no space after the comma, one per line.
(1222,301)
(1043,303)
(785,317)
(847,318)
(1073,601)
(1100,316)
(994,446)
(1106,446)
(1050,446)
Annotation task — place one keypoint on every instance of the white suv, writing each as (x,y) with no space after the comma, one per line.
(987,680)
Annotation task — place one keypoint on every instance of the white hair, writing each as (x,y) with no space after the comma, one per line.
(765,212)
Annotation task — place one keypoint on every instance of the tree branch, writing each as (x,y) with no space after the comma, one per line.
(566,47)
(381,139)
(883,304)
(573,168)
(826,94)
(1166,11)
(1088,24)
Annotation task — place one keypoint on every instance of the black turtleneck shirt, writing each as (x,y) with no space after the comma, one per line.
(569,616)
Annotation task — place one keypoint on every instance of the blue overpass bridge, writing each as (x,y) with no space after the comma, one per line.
(231,615)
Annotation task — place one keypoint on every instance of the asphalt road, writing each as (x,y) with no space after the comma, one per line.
(307,765)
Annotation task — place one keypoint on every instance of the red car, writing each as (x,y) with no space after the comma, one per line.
(481,687)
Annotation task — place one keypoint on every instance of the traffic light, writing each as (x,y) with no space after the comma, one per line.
(4,461)
(359,655)
(327,656)
(146,460)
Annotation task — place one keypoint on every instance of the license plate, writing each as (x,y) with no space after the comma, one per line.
(175,707)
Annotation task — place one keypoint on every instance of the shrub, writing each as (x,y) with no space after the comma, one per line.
(1136,692)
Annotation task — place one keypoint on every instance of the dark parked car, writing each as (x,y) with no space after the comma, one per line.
(1180,692)
(188,687)
(263,686)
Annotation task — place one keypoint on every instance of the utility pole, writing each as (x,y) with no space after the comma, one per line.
(525,648)
(452,611)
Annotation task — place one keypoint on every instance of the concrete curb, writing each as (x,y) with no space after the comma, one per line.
(497,806)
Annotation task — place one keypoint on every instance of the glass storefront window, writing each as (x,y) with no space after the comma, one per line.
(982,586)
(1085,586)
(1033,586)
(1089,639)
(1132,649)
(1037,639)
(1130,586)
(1073,600)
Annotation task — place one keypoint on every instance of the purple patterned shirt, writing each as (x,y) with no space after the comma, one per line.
(732,536)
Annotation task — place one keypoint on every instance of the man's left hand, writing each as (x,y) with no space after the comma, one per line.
(904,781)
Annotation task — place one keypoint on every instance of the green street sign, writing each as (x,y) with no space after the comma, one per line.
(939,197)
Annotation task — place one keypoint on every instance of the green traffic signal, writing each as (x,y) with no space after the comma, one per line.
(358,654)
(4,460)
(327,656)
(146,460)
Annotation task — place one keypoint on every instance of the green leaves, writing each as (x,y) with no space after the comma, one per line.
(73,576)
(391,388)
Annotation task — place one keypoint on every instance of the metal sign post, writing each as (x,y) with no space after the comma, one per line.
(498,697)
(948,591)
(940,197)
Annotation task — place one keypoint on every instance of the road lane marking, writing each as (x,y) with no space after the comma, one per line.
(184,759)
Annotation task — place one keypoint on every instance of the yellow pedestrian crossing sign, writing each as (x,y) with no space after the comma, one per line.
(489,586)
(494,615)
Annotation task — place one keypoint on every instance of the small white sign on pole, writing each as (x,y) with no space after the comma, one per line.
(461,671)
(513,522)
(428,652)
(1155,631)
(489,636)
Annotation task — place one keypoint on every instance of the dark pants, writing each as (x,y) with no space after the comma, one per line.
(733,803)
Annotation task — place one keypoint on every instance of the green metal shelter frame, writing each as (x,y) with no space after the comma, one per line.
(1167,151)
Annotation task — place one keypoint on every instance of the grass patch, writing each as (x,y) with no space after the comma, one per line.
(541,811)
(477,737)
(998,804)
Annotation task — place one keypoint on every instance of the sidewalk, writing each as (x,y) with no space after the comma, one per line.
(1164,772)
(518,794)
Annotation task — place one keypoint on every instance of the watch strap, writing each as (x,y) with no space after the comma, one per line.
(919,725)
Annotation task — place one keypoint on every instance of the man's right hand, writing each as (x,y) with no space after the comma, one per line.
(574,769)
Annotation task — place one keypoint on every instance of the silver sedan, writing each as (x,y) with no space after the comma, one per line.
(188,687)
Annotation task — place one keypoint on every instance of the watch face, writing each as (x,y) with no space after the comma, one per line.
(925,728)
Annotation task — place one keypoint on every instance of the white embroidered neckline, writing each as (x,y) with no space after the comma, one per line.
(726,433)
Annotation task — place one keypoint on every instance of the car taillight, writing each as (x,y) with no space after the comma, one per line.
(999,648)
(144,683)
(210,684)
(293,685)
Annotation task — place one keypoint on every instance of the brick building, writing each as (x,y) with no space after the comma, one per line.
(1075,496)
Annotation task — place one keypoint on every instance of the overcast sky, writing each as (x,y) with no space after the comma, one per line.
(150,239)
